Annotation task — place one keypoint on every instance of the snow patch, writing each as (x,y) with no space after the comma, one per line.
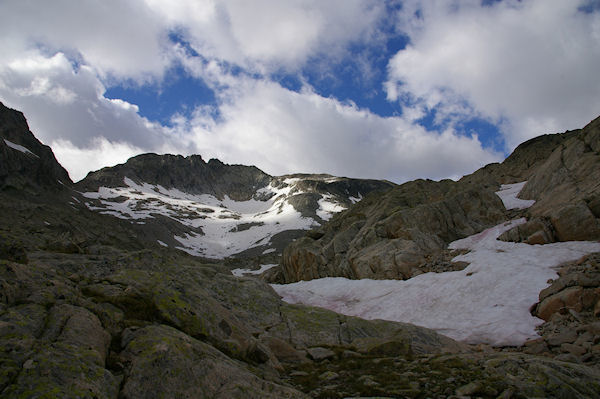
(354,200)
(327,207)
(269,251)
(242,272)
(508,194)
(487,302)
(161,243)
(19,148)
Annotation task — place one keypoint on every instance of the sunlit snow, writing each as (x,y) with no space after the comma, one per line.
(219,220)
(508,194)
(19,148)
(487,302)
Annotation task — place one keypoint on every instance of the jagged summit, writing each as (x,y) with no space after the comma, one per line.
(190,174)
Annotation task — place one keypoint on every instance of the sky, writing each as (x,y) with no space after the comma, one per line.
(392,90)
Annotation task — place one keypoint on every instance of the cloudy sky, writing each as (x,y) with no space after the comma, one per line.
(363,88)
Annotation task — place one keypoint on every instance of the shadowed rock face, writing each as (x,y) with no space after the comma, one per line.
(188,174)
(25,163)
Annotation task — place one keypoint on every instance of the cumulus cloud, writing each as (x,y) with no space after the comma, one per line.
(100,153)
(58,62)
(529,66)
(283,131)
(62,102)
(101,34)
(267,35)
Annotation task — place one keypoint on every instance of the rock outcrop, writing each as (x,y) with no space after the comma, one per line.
(393,235)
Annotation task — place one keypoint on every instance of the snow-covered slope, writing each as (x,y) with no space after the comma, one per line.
(213,227)
(487,302)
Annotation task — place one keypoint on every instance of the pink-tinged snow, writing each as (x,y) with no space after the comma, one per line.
(487,302)
(243,272)
(218,219)
(19,148)
(508,194)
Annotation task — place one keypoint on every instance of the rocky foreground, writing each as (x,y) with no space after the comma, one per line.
(91,307)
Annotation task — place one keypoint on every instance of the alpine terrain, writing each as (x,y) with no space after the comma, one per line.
(169,276)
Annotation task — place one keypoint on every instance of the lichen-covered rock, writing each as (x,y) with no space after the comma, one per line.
(164,362)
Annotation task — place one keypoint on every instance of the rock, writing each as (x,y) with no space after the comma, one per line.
(284,352)
(328,376)
(573,349)
(164,361)
(575,223)
(535,346)
(569,298)
(565,337)
(469,389)
(319,354)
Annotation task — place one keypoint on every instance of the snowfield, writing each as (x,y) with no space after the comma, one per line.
(227,226)
(487,302)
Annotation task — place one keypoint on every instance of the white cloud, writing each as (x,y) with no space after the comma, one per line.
(530,65)
(64,105)
(101,152)
(266,35)
(57,77)
(282,131)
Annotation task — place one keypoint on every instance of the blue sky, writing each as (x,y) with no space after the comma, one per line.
(381,89)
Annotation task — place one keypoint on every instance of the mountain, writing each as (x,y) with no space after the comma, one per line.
(405,231)
(215,210)
(91,306)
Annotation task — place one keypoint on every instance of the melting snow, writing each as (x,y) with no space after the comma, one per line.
(217,219)
(508,194)
(327,207)
(242,272)
(19,148)
(486,302)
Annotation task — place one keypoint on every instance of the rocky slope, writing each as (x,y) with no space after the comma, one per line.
(404,232)
(25,163)
(91,308)
(215,210)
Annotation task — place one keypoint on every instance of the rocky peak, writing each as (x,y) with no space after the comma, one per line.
(25,163)
(188,174)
